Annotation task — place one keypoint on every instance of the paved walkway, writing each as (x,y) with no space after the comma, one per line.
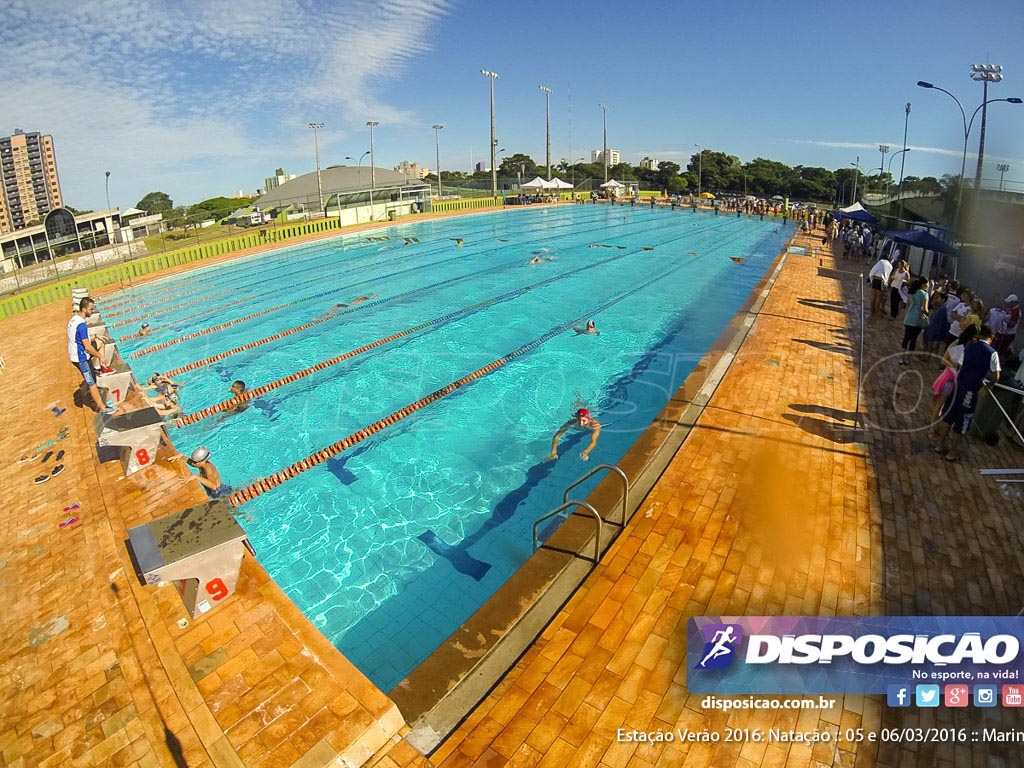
(769,507)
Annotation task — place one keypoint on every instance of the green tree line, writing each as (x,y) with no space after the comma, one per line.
(721,173)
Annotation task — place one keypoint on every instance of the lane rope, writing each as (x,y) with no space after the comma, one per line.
(248,395)
(261,486)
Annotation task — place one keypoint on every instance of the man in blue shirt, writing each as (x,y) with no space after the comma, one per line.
(981,362)
(80,346)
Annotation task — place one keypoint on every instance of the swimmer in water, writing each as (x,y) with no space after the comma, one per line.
(590,327)
(338,307)
(458,241)
(582,420)
(541,256)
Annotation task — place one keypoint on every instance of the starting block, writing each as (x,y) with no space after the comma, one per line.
(110,352)
(77,294)
(116,383)
(199,550)
(137,434)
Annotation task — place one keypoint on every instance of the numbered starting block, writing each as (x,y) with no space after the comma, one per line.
(199,550)
(116,383)
(137,434)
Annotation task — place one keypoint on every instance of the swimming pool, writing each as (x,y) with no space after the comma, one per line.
(392,544)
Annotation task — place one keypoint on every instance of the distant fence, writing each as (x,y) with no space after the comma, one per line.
(465,204)
(147,265)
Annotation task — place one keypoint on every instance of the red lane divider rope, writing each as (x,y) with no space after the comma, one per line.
(322,294)
(227,405)
(162,305)
(265,484)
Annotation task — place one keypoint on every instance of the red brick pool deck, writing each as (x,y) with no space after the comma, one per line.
(771,506)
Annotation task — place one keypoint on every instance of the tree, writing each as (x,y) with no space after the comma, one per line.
(217,208)
(519,165)
(155,202)
(75,211)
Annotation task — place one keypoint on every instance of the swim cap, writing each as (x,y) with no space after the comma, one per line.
(202,453)
(145,325)
(582,412)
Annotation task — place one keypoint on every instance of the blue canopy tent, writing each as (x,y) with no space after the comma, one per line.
(856,212)
(923,239)
(926,241)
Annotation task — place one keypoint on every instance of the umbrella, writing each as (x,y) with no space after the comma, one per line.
(923,239)
(613,184)
(557,183)
(707,195)
(777,197)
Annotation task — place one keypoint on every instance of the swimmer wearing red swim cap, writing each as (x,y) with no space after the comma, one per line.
(583,420)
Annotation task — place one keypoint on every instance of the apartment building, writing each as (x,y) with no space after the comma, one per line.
(29,185)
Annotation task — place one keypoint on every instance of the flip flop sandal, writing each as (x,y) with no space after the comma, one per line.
(46,457)
(70,521)
(57,470)
(60,455)
(72,507)
(47,444)
(58,412)
(41,479)
(33,457)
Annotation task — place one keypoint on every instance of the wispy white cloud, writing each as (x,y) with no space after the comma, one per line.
(873,146)
(154,87)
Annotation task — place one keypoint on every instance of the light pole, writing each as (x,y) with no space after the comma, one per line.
(967,133)
(895,155)
(111,225)
(373,174)
(856,178)
(604,121)
(547,124)
(492,76)
(700,170)
(359,181)
(984,73)
(316,145)
(906,123)
(437,155)
(841,195)
(884,149)
(1002,168)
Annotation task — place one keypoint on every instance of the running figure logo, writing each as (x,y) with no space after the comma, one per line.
(720,641)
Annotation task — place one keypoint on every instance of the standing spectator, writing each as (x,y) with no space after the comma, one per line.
(1008,328)
(916,317)
(945,383)
(879,277)
(80,347)
(980,362)
(900,275)
(959,313)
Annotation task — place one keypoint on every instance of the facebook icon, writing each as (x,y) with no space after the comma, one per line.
(897,695)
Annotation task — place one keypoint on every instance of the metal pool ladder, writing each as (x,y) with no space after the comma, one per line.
(567,502)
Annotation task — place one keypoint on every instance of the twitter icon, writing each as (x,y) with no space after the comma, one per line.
(927,695)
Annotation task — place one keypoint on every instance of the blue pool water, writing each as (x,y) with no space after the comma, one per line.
(391,545)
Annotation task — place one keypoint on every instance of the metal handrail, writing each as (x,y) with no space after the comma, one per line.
(595,470)
(572,503)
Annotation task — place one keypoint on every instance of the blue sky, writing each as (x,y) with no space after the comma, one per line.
(198,99)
